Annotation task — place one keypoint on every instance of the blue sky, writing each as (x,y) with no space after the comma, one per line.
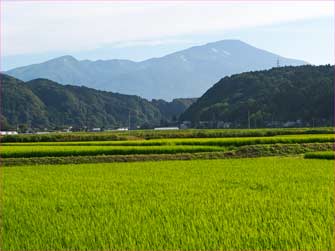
(34,31)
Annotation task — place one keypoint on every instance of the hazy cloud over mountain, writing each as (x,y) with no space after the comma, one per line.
(91,29)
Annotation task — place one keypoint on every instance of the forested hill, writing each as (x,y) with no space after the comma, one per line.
(266,98)
(42,103)
(172,110)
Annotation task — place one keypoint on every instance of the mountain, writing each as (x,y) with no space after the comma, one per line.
(186,73)
(269,98)
(42,103)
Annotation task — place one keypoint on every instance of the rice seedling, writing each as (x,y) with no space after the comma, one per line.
(259,204)
(59,151)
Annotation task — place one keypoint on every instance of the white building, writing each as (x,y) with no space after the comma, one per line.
(8,132)
(166,128)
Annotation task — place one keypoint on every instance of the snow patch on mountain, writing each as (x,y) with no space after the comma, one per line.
(226,53)
(182,57)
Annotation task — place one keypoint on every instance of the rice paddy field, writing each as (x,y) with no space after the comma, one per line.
(225,196)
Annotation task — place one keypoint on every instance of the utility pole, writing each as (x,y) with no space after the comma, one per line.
(136,120)
(248,119)
(213,119)
(86,115)
(278,64)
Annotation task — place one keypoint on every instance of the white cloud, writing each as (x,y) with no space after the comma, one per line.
(35,27)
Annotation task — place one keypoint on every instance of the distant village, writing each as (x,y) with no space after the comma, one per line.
(181,126)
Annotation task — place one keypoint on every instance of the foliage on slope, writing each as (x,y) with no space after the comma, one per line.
(282,94)
(42,103)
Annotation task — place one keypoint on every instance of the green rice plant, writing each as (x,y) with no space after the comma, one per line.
(257,140)
(259,204)
(238,141)
(160,146)
(240,152)
(94,143)
(56,137)
(58,151)
(219,133)
(320,155)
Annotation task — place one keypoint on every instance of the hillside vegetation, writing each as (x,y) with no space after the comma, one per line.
(302,95)
(286,96)
(42,103)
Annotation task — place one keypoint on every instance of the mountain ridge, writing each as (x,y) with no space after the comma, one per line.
(186,73)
